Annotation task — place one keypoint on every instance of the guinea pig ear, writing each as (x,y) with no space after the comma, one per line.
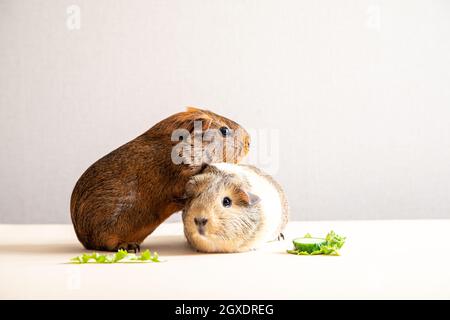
(253,199)
(249,199)
(189,189)
(204,167)
(209,168)
(200,169)
(195,185)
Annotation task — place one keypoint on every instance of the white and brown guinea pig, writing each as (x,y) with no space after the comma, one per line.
(233,208)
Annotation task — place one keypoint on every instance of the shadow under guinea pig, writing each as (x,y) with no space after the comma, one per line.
(42,248)
(164,245)
(168,246)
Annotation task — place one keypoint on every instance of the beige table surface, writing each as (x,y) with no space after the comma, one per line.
(381,260)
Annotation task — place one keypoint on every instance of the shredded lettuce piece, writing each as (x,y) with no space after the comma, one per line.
(333,243)
(121,256)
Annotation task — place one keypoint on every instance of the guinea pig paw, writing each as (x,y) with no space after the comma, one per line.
(130,247)
(280,237)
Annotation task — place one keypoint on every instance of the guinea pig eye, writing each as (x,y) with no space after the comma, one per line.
(226,202)
(224,131)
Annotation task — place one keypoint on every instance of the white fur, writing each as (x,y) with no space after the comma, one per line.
(270,199)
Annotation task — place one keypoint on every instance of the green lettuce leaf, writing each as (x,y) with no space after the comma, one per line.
(121,256)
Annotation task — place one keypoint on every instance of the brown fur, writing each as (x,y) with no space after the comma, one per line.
(124,196)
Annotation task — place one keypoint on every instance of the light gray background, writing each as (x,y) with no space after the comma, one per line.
(358,92)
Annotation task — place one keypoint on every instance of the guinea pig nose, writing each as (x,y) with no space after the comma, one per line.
(200,221)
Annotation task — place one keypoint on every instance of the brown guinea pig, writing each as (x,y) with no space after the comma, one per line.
(233,208)
(120,199)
